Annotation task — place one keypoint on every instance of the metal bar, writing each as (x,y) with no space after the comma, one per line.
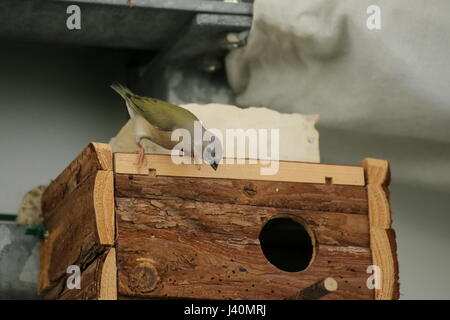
(7,217)
(199,6)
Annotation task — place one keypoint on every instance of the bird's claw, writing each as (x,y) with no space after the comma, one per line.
(141,155)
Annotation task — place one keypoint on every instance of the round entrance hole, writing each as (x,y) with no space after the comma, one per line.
(287,244)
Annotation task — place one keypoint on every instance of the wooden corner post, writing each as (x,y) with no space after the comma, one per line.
(78,211)
(382,236)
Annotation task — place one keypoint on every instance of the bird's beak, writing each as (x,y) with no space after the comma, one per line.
(214,165)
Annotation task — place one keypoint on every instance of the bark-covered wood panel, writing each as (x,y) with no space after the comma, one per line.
(239,221)
(73,237)
(189,249)
(89,284)
(303,196)
(78,211)
(97,281)
(96,156)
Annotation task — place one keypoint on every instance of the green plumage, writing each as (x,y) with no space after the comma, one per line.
(156,120)
(161,114)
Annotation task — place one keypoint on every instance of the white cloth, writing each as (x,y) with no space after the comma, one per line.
(298,137)
(318,56)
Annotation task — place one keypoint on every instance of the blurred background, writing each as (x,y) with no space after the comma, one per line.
(55,99)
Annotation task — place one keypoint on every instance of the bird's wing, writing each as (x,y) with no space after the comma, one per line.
(163,115)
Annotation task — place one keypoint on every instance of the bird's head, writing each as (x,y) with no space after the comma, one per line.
(212,153)
(214,163)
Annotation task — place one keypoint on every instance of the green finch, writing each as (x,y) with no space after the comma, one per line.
(156,120)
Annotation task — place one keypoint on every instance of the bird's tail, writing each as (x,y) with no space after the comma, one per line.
(122,90)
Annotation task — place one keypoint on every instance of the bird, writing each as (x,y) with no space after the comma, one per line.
(156,120)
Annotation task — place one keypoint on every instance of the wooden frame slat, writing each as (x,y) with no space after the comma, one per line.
(382,236)
(162,165)
(108,279)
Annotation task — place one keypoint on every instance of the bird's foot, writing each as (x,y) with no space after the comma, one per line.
(141,155)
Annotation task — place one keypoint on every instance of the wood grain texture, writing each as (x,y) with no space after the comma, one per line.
(89,287)
(162,165)
(78,210)
(75,237)
(108,279)
(98,281)
(382,236)
(179,249)
(185,233)
(243,221)
(103,197)
(96,156)
(291,195)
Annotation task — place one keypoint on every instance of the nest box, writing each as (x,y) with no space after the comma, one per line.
(162,230)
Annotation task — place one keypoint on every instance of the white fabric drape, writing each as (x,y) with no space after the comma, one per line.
(318,56)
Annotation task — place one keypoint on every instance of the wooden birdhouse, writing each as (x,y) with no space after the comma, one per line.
(162,230)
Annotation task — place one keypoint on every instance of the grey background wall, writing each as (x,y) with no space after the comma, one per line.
(420,201)
(54,101)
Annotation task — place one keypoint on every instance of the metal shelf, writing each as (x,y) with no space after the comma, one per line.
(145,25)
